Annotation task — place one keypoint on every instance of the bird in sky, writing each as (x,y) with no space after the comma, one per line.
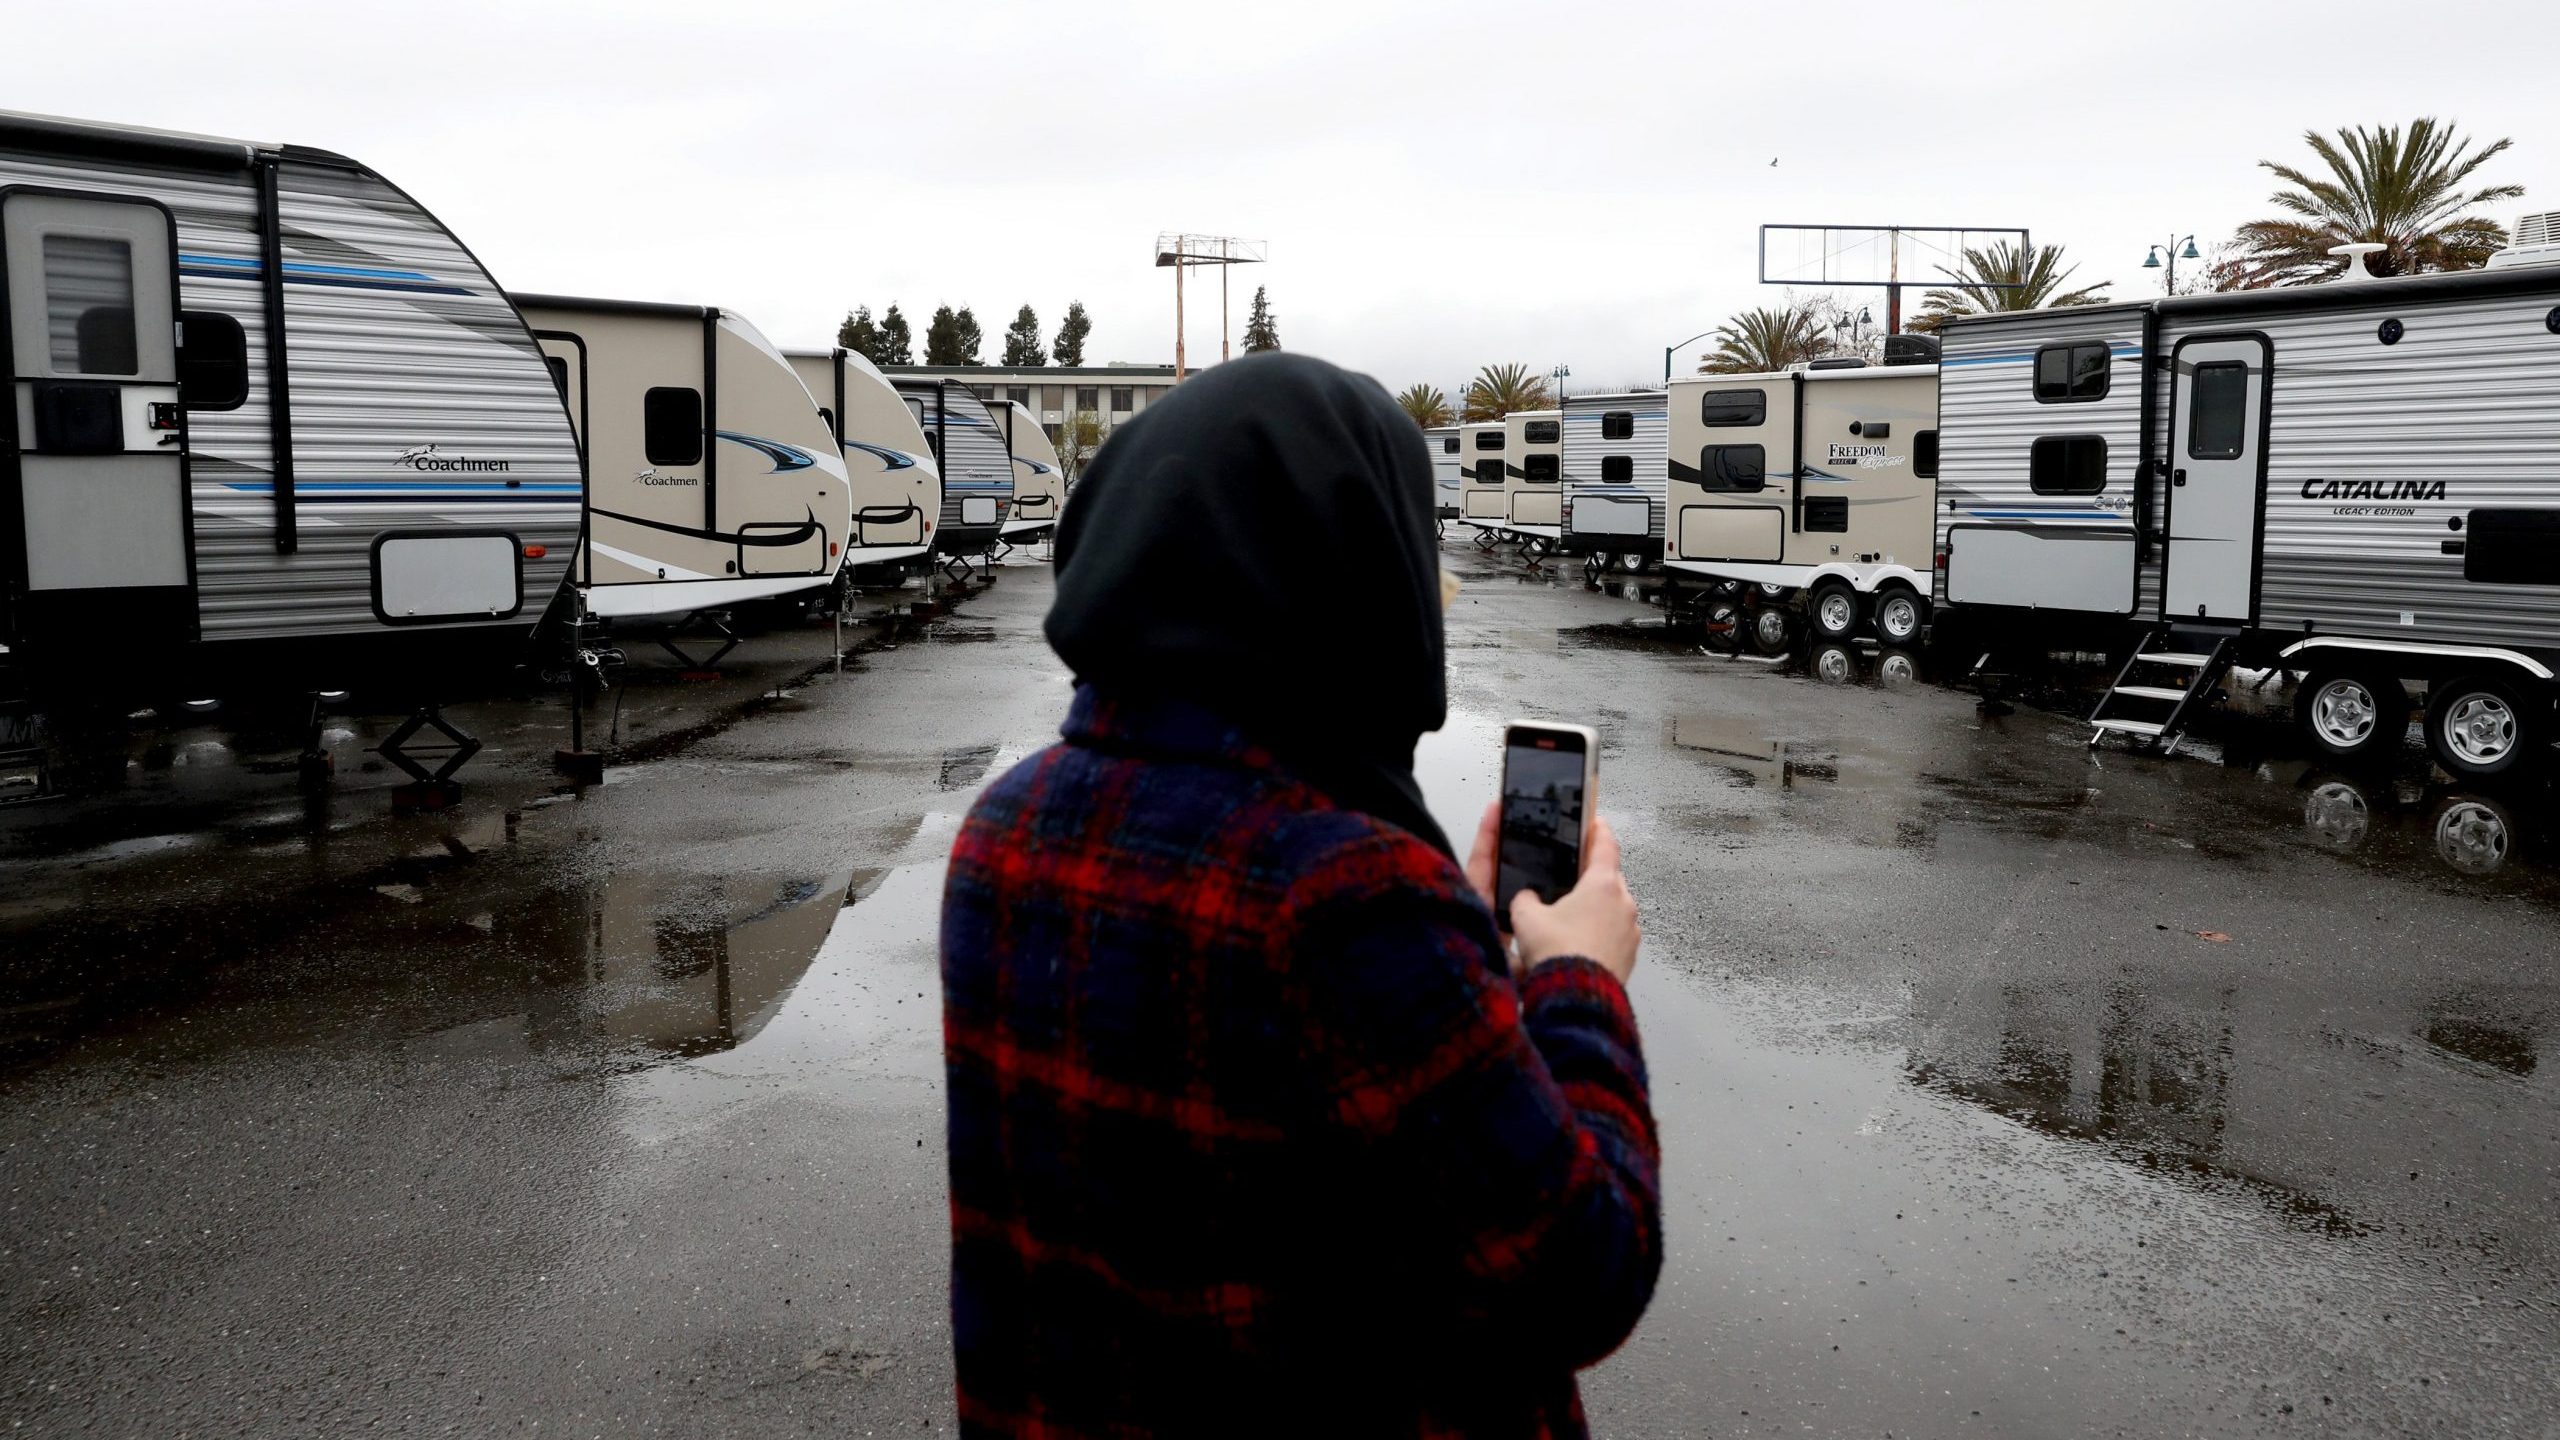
(1773,162)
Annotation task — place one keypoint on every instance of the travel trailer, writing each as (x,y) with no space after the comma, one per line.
(1447,470)
(1615,472)
(272,427)
(976,464)
(1038,487)
(1533,475)
(896,487)
(1485,505)
(711,477)
(2346,481)
(1808,491)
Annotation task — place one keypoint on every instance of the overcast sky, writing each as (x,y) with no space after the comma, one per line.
(1441,185)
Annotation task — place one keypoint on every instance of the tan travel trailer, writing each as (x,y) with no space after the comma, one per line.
(1039,486)
(1533,474)
(1480,449)
(896,487)
(711,477)
(1816,489)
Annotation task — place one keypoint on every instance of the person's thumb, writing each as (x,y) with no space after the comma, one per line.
(1526,906)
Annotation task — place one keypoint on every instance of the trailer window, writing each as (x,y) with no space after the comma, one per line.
(559,368)
(2219,398)
(1448,444)
(1541,432)
(671,425)
(1734,407)
(1539,469)
(1488,439)
(2511,547)
(2067,465)
(2069,373)
(1924,454)
(213,361)
(1734,468)
(1617,469)
(1488,472)
(88,306)
(1618,425)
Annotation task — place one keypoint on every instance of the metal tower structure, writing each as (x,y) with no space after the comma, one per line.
(1182,252)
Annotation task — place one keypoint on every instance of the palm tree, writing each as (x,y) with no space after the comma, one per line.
(1498,390)
(1428,407)
(2005,276)
(2401,189)
(1762,340)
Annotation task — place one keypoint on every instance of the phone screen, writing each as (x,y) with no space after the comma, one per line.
(1542,800)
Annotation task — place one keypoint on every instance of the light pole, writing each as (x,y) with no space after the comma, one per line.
(1858,324)
(2175,254)
(1669,350)
(1560,372)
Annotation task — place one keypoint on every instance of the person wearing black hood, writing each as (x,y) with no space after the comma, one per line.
(1255,1126)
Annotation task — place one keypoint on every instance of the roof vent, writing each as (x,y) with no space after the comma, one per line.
(1838,362)
(2536,242)
(2356,273)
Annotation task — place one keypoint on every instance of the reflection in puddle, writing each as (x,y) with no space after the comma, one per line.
(2389,821)
(962,769)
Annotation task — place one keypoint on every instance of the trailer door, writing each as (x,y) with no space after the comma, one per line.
(1736,446)
(2217,477)
(93,456)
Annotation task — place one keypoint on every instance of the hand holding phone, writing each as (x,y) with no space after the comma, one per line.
(1549,776)
(1593,914)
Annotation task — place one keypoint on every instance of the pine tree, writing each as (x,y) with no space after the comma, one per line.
(1069,348)
(859,335)
(1022,341)
(897,342)
(1261,332)
(942,338)
(964,331)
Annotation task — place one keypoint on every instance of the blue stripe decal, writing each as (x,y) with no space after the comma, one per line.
(2119,349)
(784,457)
(494,489)
(895,459)
(310,272)
(2045,515)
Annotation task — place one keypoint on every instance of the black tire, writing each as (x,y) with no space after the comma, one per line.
(2351,716)
(1901,617)
(1772,633)
(2480,727)
(1834,611)
(1726,623)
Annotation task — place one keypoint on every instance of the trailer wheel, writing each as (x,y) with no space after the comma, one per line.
(1835,611)
(2352,717)
(2480,728)
(1770,631)
(1899,616)
(1725,624)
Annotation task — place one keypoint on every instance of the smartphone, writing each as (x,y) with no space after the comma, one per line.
(1550,782)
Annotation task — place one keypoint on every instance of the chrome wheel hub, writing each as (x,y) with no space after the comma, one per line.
(1899,617)
(2472,837)
(1772,627)
(2345,712)
(2337,816)
(1832,664)
(1838,614)
(2480,729)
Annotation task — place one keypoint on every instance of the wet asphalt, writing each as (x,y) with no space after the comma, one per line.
(2005,1089)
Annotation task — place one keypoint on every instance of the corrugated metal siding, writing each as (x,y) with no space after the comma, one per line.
(378,368)
(1988,416)
(976,460)
(1650,448)
(2469,397)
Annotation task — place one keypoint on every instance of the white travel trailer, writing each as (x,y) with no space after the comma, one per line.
(1815,486)
(711,477)
(896,487)
(1615,472)
(1039,488)
(1486,504)
(1447,470)
(1533,475)
(2351,481)
(976,463)
(271,427)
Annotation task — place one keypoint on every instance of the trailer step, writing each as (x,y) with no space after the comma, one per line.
(2154,692)
(2185,658)
(2145,728)
(2183,701)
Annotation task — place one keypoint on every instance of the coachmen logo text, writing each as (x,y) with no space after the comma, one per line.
(2372,489)
(424,457)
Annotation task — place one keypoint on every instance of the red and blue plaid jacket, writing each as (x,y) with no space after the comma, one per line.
(1251,1133)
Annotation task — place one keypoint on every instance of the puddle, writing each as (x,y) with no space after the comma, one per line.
(962,769)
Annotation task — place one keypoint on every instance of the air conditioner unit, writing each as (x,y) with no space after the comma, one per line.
(2536,241)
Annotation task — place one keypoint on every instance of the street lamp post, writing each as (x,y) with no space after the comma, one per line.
(1669,350)
(2176,250)
(1560,372)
